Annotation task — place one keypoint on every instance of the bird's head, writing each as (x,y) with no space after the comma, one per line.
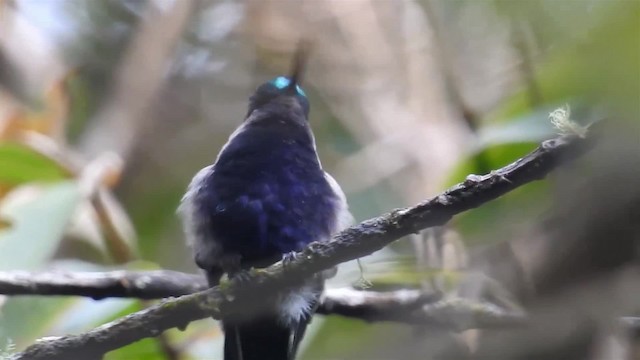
(284,90)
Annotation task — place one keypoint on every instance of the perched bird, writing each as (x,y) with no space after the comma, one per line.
(265,196)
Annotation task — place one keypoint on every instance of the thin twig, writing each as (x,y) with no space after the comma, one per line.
(146,285)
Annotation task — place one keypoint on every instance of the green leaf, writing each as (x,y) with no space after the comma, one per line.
(27,318)
(335,337)
(526,202)
(145,349)
(37,225)
(531,128)
(516,210)
(21,164)
(490,158)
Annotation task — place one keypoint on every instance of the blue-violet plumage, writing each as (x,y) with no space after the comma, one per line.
(265,196)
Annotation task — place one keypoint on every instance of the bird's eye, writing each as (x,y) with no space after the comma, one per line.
(282,82)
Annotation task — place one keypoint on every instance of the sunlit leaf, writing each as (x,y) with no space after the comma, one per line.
(532,127)
(39,217)
(20,164)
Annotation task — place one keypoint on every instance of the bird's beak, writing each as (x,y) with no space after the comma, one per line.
(298,67)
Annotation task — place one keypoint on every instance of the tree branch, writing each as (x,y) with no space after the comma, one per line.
(357,241)
(416,308)
(146,285)
(406,306)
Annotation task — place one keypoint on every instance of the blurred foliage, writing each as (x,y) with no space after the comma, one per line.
(582,53)
(37,224)
(22,164)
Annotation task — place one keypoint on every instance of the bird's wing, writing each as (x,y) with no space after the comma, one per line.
(344,219)
(207,251)
(187,208)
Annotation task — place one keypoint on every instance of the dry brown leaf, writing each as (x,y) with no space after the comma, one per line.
(116,226)
(50,120)
(4,223)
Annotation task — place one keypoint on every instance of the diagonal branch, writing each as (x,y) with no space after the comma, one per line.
(357,241)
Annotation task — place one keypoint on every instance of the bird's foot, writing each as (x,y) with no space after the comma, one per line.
(289,258)
(241,277)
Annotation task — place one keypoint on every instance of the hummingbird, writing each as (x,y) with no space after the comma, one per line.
(265,197)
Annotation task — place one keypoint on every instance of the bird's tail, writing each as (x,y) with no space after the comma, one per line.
(273,334)
(264,338)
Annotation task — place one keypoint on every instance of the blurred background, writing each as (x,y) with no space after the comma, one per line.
(108,108)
